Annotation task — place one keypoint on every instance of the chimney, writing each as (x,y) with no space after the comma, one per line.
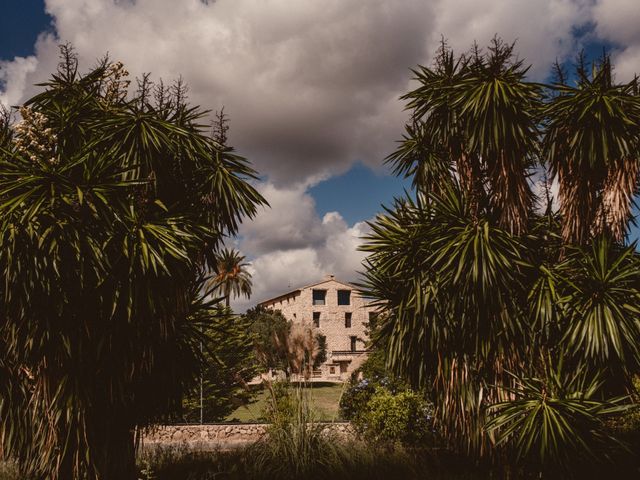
(329,276)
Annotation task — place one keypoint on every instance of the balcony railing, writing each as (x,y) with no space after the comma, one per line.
(348,352)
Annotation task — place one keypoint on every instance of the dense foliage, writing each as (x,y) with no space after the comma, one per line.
(269,330)
(383,408)
(112,205)
(230,363)
(501,307)
(388,413)
(282,346)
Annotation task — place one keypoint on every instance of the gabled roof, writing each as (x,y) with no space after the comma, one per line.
(327,281)
(298,290)
(284,295)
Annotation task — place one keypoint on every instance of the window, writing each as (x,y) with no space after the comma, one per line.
(347,319)
(344,297)
(373,318)
(332,370)
(316,319)
(319,297)
(353,343)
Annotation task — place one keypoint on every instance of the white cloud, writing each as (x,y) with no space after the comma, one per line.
(291,246)
(543,29)
(541,188)
(311,86)
(617,21)
(13,77)
(290,223)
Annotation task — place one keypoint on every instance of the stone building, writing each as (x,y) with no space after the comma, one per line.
(337,311)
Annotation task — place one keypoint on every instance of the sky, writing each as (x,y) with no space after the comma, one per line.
(312,90)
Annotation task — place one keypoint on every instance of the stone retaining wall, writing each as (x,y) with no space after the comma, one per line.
(220,436)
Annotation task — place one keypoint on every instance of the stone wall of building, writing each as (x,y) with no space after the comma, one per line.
(220,436)
(298,307)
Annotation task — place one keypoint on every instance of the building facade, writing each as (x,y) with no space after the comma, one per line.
(337,311)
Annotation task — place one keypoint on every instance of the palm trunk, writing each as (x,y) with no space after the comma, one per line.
(113,454)
(118,456)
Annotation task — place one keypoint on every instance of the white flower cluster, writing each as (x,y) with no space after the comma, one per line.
(34,138)
(115,83)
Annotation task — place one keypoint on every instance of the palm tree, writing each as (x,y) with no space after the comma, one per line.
(475,116)
(452,282)
(591,143)
(112,205)
(231,274)
(487,298)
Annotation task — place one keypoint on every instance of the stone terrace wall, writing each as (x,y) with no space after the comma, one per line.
(220,436)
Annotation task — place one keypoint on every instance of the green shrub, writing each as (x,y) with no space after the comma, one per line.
(298,447)
(403,417)
(364,382)
(355,399)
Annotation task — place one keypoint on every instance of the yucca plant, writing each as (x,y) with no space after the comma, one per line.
(478,116)
(591,143)
(454,285)
(112,204)
(601,302)
(556,420)
(479,286)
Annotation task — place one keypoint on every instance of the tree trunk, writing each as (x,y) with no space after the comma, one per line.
(117,458)
(113,458)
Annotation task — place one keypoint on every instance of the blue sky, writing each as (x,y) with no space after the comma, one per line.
(311,89)
(20,24)
(358,194)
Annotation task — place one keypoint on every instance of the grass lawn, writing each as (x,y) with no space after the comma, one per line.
(325,398)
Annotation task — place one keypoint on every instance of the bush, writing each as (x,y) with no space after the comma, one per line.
(382,415)
(355,399)
(384,409)
(404,417)
(364,382)
(299,447)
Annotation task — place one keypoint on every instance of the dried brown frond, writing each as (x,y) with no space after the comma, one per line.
(617,197)
(511,194)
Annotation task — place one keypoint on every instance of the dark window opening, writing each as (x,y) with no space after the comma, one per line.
(347,319)
(332,370)
(319,297)
(344,297)
(353,343)
(316,319)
